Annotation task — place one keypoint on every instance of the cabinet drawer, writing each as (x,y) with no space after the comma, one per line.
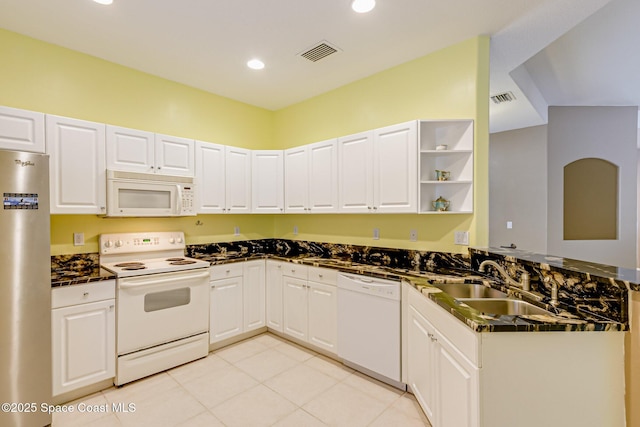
(295,270)
(65,296)
(226,270)
(323,275)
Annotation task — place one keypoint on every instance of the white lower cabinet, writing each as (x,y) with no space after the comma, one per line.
(310,306)
(444,382)
(83,335)
(237,299)
(274,295)
(464,378)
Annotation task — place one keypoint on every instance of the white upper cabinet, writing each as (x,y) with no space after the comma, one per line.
(395,168)
(311,178)
(139,151)
(174,155)
(323,176)
(210,177)
(296,180)
(267,175)
(379,170)
(21,130)
(223,178)
(238,180)
(446,146)
(355,172)
(130,149)
(77,166)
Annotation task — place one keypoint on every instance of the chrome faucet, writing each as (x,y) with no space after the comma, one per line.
(554,290)
(524,284)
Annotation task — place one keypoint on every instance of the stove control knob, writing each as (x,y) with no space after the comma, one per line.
(179,239)
(108,244)
(119,243)
(172,240)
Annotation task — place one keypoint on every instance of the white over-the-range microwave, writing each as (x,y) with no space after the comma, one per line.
(147,195)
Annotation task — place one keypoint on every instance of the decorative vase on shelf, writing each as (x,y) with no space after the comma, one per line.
(442,175)
(440,204)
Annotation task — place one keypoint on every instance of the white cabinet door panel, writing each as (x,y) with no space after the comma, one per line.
(77,166)
(253,289)
(225,317)
(83,345)
(21,130)
(130,149)
(395,168)
(238,180)
(295,311)
(296,180)
(323,176)
(421,372)
(174,155)
(274,295)
(267,175)
(210,177)
(457,390)
(355,176)
(323,315)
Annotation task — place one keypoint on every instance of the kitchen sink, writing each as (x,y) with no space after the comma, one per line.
(502,306)
(468,290)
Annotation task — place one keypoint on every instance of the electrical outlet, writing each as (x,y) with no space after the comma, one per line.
(413,235)
(295,230)
(461,238)
(78,239)
(236,230)
(376,234)
(509,225)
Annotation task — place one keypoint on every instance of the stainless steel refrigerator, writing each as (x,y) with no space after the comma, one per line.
(25,290)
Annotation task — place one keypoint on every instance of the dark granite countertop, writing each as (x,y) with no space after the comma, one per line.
(563,320)
(79,269)
(71,277)
(631,277)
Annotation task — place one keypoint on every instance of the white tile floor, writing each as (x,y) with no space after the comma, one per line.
(263,381)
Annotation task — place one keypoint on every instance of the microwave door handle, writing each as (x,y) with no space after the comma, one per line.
(179,200)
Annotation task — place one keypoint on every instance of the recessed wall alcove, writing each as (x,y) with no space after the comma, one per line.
(590,200)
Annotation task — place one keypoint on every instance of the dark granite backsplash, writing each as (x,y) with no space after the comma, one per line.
(387,257)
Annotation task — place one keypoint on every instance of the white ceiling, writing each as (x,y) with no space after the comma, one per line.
(547,52)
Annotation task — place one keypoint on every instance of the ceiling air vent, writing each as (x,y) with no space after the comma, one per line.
(319,51)
(503,97)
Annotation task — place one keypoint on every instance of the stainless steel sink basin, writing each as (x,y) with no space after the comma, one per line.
(502,306)
(468,290)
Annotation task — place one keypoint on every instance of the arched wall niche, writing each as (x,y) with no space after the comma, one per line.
(590,200)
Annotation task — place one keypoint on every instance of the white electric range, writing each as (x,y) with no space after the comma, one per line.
(162,302)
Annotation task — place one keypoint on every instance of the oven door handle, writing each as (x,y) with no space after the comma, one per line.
(154,282)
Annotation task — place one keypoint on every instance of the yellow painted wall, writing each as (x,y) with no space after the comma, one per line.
(43,77)
(451,83)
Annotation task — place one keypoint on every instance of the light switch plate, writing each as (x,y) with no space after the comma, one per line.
(509,225)
(295,230)
(78,239)
(236,230)
(461,238)
(413,235)
(376,234)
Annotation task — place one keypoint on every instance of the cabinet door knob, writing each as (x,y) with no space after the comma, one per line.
(86,294)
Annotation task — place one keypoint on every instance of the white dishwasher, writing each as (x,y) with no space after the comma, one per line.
(369,326)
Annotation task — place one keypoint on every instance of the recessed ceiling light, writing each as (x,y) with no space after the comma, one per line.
(255,64)
(363,6)
(103,1)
